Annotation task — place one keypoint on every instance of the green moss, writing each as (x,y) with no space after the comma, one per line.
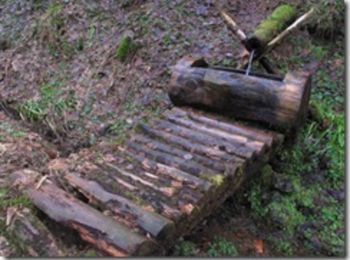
(125,49)
(275,23)
(216,179)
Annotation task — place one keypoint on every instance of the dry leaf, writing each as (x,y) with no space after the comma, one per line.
(259,246)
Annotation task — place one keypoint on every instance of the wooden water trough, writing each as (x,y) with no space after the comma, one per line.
(138,197)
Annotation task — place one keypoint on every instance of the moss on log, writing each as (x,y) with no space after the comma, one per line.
(281,17)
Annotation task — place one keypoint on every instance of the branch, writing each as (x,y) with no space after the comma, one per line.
(293,26)
(232,24)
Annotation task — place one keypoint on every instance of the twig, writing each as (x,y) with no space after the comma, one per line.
(41,181)
(233,25)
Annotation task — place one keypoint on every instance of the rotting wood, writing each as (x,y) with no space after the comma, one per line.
(142,195)
(157,185)
(155,224)
(139,189)
(280,18)
(171,171)
(278,104)
(166,191)
(189,145)
(187,166)
(262,135)
(163,147)
(232,144)
(101,231)
(31,234)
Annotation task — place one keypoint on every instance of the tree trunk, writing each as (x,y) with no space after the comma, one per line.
(280,104)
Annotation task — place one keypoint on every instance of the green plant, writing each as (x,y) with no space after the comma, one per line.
(50,30)
(49,103)
(7,200)
(185,248)
(126,49)
(11,130)
(222,247)
(282,245)
(166,40)
(328,18)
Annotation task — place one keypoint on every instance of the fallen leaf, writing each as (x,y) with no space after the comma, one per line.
(259,246)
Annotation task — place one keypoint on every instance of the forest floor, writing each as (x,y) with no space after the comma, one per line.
(66,85)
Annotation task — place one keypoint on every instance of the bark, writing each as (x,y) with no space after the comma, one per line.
(214,165)
(176,174)
(190,146)
(278,104)
(155,224)
(233,144)
(254,134)
(99,230)
(31,234)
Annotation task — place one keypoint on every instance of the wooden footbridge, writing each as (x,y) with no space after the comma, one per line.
(138,197)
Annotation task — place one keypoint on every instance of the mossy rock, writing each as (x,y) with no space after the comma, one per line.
(281,17)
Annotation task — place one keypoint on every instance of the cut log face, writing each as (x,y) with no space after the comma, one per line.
(280,104)
(138,197)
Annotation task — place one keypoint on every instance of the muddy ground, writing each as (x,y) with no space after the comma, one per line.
(63,89)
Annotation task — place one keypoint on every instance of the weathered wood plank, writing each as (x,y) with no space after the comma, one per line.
(257,134)
(190,146)
(172,172)
(155,224)
(233,145)
(93,227)
(215,165)
(107,178)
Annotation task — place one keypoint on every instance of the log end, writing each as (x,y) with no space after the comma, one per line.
(301,81)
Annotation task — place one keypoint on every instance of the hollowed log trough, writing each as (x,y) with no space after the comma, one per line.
(139,197)
(276,102)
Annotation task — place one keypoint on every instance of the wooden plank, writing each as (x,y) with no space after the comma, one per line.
(175,173)
(101,231)
(155,224)
(136,192)
(189,145)
(174,161)
(214,165)
(265,136)
(233,145)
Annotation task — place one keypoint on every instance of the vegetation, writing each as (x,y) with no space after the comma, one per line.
(302,192)
(50,29)
(126,49)
(329,18)
(185,248)
(49,103)
(221,247)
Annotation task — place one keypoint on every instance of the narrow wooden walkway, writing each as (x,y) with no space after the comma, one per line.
(140,196)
